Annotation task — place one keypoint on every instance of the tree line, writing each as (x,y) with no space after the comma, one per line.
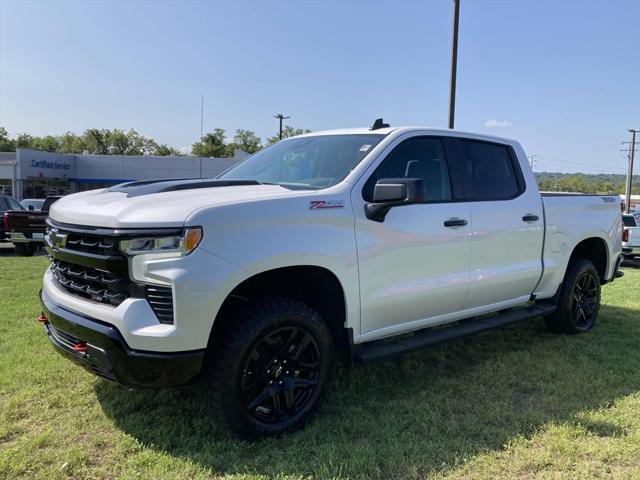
(129,142)
(602,183)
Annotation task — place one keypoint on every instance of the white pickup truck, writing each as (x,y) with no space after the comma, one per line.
(353,242)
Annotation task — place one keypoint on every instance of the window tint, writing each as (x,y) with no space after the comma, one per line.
(628,221)
(491,170)
(418,158)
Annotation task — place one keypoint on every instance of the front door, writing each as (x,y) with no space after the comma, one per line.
(414,269)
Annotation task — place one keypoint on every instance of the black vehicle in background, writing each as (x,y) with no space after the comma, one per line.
(26,228)
(7,203)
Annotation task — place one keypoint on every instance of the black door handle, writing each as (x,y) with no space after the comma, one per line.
(455,222)
(530,218)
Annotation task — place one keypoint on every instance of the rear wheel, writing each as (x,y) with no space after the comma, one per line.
(578,300)
(268,375)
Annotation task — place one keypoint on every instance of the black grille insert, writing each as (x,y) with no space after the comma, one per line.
(96,285)
(161,301)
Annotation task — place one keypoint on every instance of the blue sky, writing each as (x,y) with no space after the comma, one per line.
(563,77)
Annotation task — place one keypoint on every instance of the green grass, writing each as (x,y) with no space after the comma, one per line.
(518,402)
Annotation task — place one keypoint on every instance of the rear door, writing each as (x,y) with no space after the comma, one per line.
(507,225)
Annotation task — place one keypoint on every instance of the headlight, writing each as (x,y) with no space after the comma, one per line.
(180,244)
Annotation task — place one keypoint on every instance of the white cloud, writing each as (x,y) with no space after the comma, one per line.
(186,150)
(497,123)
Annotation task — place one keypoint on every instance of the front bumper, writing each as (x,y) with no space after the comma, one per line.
(101,349)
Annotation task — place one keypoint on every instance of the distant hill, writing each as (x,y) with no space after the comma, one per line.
(601,183)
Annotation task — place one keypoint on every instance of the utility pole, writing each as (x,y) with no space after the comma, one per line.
(201,114)
(280,117)
(532,159)
(627,196)
(454,63)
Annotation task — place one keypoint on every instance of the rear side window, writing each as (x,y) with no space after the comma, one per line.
(3,204)
(491,170)
(629,221)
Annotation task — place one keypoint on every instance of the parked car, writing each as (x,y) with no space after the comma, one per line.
(353,241)
(7,203)
(26,228)
(32,203)
(630,237)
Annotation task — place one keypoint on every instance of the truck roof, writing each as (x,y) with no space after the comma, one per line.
(404,129)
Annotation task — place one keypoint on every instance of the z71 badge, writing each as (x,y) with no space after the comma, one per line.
(317,204)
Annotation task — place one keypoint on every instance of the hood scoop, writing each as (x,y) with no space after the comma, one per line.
(148,187)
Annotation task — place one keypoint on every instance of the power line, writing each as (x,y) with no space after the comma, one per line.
(632,150)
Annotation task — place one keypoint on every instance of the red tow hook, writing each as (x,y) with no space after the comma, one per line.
(42,319)
(80,347)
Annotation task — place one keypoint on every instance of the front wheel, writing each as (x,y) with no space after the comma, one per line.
(269,372)
(578,300)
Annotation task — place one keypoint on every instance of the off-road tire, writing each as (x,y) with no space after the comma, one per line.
(226,373)
(568,317)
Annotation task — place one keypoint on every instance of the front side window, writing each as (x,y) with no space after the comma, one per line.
(308,162)
(491,170)
(415,158)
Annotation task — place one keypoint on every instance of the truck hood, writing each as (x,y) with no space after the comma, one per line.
(157,204)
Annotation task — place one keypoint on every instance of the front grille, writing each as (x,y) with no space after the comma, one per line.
(91,243)
(96,285)
(89,264)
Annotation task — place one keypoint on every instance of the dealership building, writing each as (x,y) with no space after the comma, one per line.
(30,173)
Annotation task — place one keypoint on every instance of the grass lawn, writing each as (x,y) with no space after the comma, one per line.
(518,402)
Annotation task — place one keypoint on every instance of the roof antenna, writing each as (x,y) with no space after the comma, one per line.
(378,124)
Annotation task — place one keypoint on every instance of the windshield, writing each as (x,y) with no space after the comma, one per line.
(308,162)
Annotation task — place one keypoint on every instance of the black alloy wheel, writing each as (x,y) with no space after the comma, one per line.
(584,299)
(578,299)
(281,374)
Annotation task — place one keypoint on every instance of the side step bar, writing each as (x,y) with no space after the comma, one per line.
(385,349)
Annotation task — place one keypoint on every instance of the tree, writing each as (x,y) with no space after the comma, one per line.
(287,132)
(25,140)
(166,151)
(48,143)
(211,145)
(245,140)
(6,144)
(129,143)
(71,143)
(96,141)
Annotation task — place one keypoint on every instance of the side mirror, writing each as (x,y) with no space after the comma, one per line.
(394,192)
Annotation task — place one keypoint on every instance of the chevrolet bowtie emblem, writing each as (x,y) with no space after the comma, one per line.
(58,240)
